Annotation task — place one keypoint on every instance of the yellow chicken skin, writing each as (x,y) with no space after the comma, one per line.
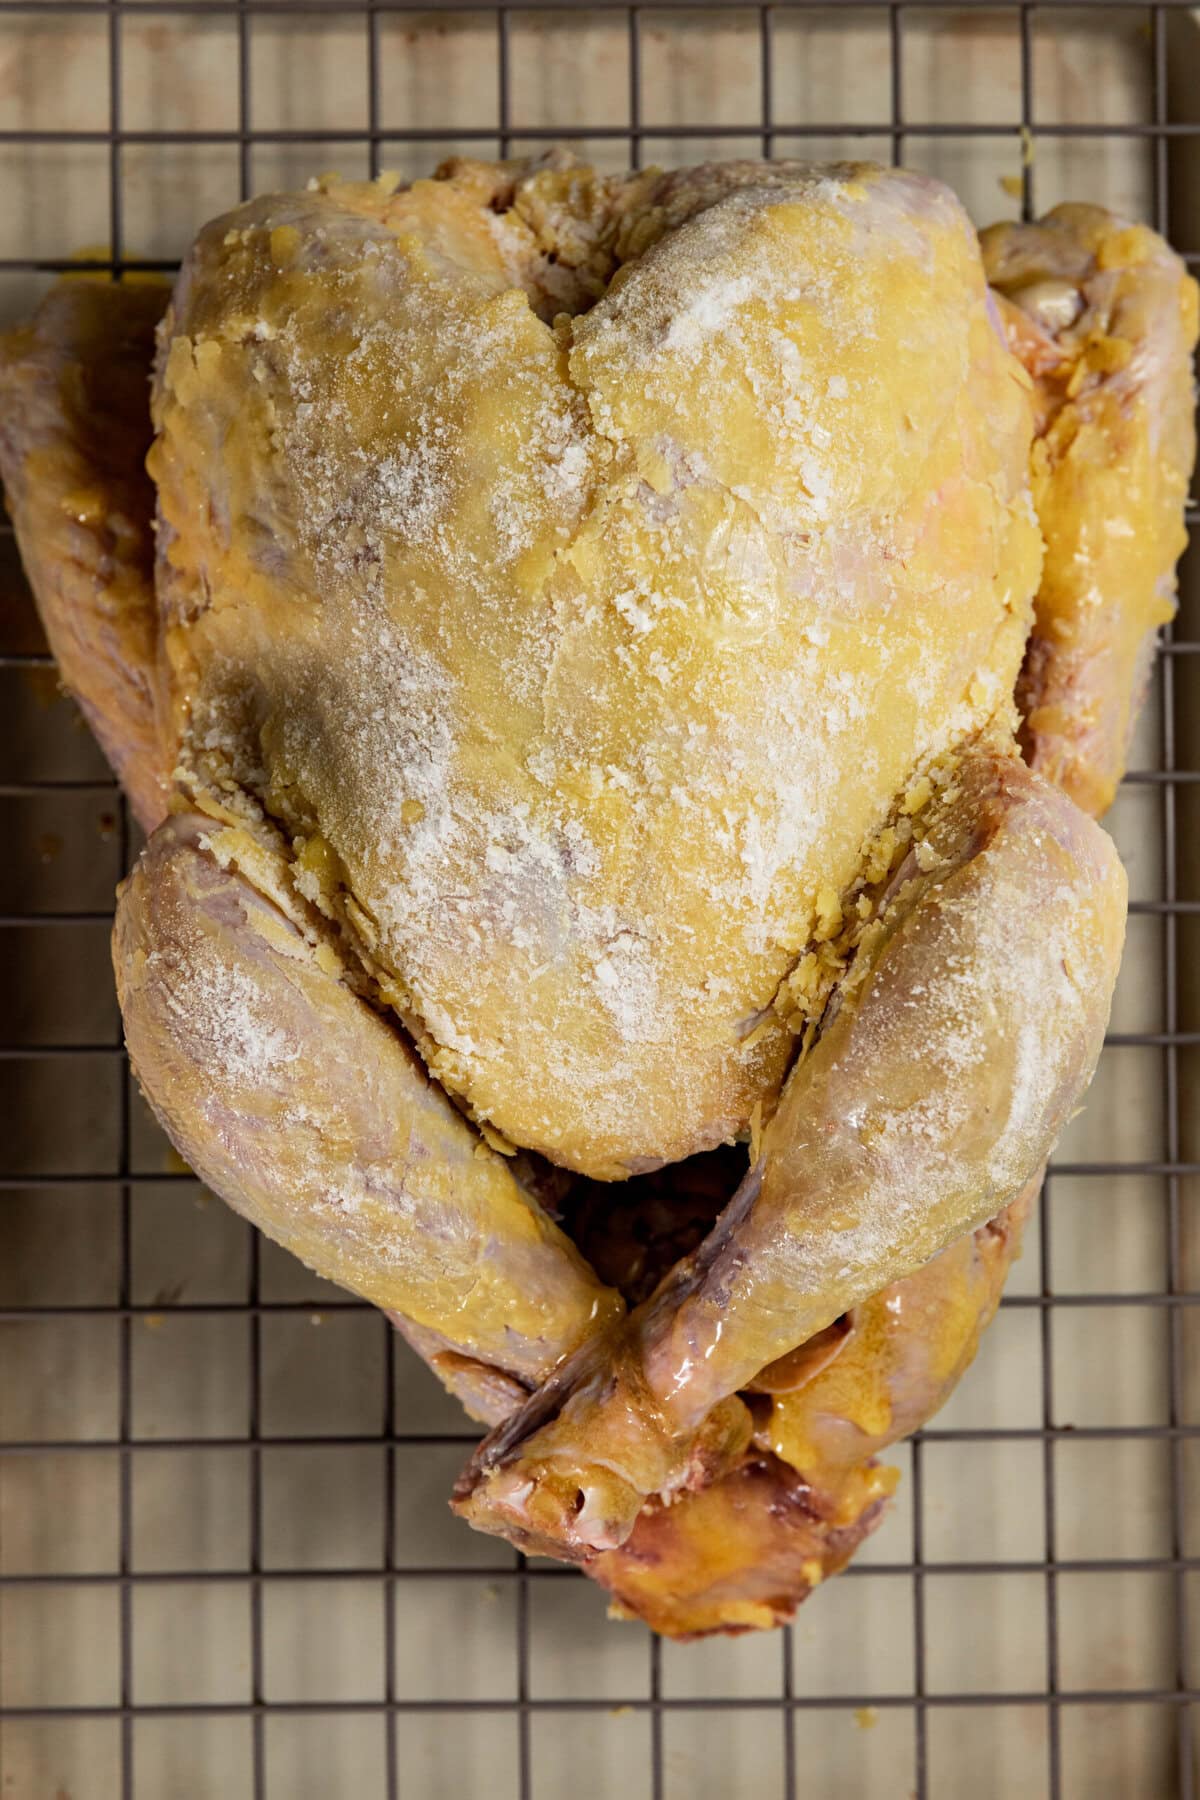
(545,680)
(1103,315)
(569,634)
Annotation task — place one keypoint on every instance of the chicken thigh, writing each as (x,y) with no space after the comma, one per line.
(299,1105)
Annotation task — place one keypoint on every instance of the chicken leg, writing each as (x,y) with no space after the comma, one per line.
(308,1112)
(935,1092)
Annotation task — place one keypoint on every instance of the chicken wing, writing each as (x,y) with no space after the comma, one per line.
(1103,315)
(74,432)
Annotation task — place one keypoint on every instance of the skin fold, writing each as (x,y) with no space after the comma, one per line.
(1103,315)
(710,1458)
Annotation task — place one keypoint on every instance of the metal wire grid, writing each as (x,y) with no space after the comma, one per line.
(1173,1297)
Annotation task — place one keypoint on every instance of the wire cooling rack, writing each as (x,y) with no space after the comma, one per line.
(182,1454)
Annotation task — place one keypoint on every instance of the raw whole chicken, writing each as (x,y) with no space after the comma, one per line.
(574,680)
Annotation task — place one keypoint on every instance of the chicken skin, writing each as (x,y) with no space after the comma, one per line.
(579,666)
